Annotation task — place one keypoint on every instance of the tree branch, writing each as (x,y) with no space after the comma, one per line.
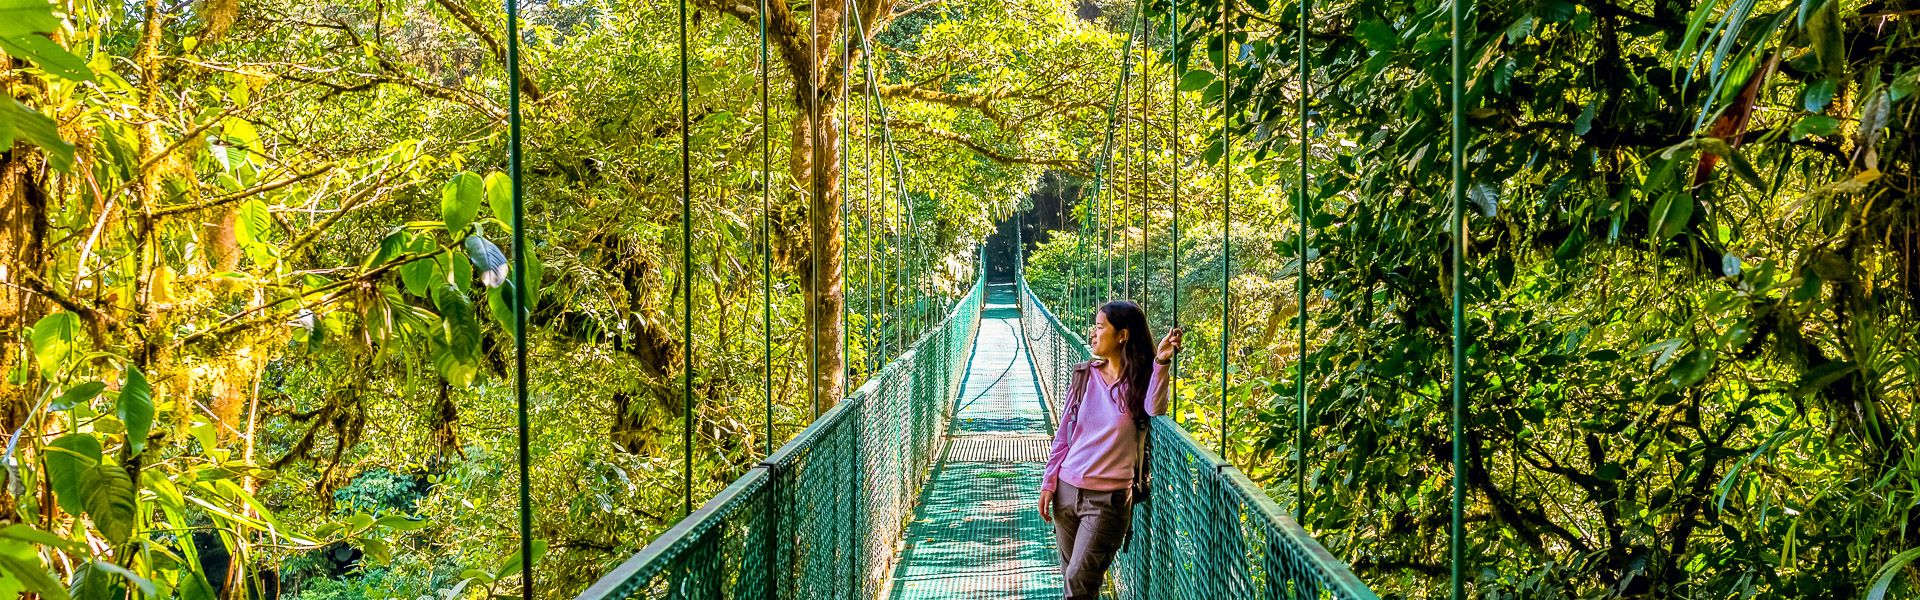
(1073,166)
(473,24)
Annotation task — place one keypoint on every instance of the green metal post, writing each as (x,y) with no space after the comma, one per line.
(866,216)
(813,266)
(1146,42)
(1173,26)
(686,276)
(846,70)
(520,250)
(1456,546)
(1226,214)
(766,228)
(1300,369)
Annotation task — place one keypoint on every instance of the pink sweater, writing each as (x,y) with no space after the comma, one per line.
(1098,452)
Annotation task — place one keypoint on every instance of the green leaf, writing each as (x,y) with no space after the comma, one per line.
(1829,42)
(1820,125)
(68,460)
(535,271)
(1196,80)
(194,586)
(255,223)
(141,583)
(79,394)
(1817,96)
(511,566)
(21,122)
(1484,197)
(460,202)
(455,348)
(401,523)
(1818,378)
(500,302)
(1670,214)
(20,561)
(54,339)
(1584,123)
(1737,161)
(110,502)
(392,245)
(459,270)
(242,134)
(103,580)
(1520,29)
(1610,472)
(135,408)
(43,52)
(418,275)
(26,533)
(1883,579)
(1691,368)
(1377,36)
(500,196)
(23,17)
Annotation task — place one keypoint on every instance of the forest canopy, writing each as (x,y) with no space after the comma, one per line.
(256,290)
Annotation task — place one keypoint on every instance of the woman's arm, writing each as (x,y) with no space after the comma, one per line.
(1159,389)
(1158,394)
(1054,459)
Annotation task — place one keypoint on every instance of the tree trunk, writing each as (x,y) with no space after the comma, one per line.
(816,167)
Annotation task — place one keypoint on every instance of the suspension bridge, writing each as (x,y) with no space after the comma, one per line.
(922,484)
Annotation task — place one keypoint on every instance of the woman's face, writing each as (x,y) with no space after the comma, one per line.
(1105,341)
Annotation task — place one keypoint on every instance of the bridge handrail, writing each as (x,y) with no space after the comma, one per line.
(819,518)
(1209,531)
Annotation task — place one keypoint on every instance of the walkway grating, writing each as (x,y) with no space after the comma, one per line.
(975,534)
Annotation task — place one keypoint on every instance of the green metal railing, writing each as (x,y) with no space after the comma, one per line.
(1209,532)
(821,517)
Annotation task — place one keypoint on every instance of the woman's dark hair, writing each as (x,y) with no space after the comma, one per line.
(1136,357)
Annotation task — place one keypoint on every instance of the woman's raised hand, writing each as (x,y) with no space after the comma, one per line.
(1169,345)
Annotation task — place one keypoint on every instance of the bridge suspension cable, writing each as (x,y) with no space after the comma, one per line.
(766,229)
(522,430)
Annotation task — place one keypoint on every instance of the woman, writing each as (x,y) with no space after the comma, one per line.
(1096,449)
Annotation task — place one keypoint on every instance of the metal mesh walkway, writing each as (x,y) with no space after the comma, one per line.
(975,534)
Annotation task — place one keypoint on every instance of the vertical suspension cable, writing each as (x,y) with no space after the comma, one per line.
(813,191)
(1124,185)
(520,293)
(899,175)
(1300,368)
(766,227)
(1456,546)
(1147,41)
(840,148)
(1227,59)
(1173,29)
(1106,156)
(686,276)
(866,212)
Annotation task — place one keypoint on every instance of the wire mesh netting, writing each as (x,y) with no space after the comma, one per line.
(822,516)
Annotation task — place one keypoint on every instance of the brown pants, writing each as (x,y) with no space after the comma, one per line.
(1088,526)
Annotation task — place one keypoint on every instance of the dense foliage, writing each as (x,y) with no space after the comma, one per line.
(255,287)
(1691,285)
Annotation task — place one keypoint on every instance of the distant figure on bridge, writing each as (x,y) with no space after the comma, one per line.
(1093,474)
